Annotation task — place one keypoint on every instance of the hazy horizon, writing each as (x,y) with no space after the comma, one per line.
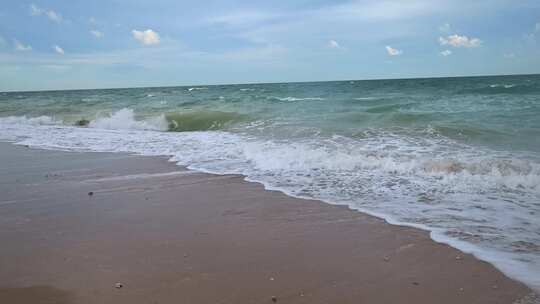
(262,83)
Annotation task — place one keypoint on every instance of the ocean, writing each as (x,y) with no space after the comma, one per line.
(459,157)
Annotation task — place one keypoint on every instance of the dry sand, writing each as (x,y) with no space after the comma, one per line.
(169,235)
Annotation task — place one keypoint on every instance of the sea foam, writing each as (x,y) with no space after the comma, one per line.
(124,119)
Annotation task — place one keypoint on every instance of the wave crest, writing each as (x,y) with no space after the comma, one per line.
(124,119)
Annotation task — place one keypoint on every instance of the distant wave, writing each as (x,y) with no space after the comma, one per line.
(197,88)
(366,98)
(295,98)
(505,88)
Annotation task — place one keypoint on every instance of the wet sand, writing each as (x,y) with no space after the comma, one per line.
(169,235)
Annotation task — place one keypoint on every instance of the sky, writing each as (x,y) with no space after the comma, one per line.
(58,44)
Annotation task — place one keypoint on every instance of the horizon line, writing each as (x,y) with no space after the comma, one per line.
(262,83)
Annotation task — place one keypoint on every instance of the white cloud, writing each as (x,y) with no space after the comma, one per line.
(334,44)
(446,53)
(392,51)
(97,34)
(509,55)
(460,41)
(35,11)
(148,37)
(537,27)
(445,28)
(54,16)
(241,18)
(56,67)
(49,13)
(58,50)
(383,10)
(19,46)
(92,20)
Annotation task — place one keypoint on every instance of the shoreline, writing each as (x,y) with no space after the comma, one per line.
(273,244)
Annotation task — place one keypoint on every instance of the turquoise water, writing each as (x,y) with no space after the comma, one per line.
(457,156)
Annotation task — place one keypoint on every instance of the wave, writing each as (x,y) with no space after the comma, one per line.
(366,98)
(295,98)
(203,120)
(197,88)
(505,88)
(124,119)
(304,157)
(469,132)
(389,108)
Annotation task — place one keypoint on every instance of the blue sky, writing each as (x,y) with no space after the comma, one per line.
(95,44)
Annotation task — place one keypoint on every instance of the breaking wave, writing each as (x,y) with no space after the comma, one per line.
(126,119)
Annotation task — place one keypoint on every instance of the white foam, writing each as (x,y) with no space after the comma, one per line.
(297,98)
(506,86)
(40,120)
(125,120)
(365,98)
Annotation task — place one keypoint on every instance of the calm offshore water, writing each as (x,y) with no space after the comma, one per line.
(457,156)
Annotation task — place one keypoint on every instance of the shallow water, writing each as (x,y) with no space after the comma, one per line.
(457,156)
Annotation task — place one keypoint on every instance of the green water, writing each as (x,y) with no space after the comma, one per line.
(502,112)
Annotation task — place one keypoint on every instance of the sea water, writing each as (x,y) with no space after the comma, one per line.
(459,157)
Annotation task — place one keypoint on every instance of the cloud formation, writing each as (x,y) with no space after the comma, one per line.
(148,37)
(58,50)
(446,53)
(509,55)
(392,51)
(97,34)
(49,13)
(460,41)
(334,44)
(242,18)
(19,46)
(445,28)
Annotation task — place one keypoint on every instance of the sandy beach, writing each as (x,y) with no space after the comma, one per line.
(74,225)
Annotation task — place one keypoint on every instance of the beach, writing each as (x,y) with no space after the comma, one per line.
(118,228)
